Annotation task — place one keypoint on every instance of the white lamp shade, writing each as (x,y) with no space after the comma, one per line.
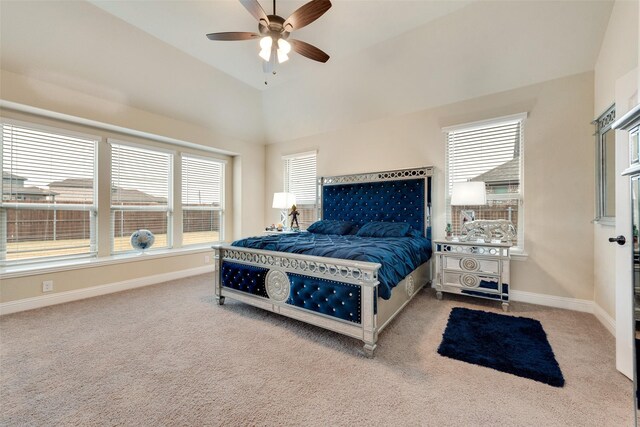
(283,200)
(469,194)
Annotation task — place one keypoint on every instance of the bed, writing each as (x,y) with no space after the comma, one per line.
(354,282)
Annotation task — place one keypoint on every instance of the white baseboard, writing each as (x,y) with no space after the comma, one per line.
(78,294)
(574,304)
(583,305)
(604,318)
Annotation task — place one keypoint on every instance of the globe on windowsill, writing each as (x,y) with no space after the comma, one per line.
(142,239)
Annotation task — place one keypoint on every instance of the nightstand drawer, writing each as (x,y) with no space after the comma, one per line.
(471,264)
(486,283)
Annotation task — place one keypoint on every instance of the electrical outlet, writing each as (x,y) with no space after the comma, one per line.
(207,259)
(47,286)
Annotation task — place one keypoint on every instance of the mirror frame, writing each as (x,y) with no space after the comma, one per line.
(603,125)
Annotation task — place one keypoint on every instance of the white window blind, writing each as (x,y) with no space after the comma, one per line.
(140,194)
(490,152)
(48,199)
(202,200)
(300,178)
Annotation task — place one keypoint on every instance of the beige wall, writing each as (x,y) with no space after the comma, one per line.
(617,57)
(31,285)
(558,167)
(245,172)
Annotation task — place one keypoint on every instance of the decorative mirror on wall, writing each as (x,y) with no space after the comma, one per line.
(605,167)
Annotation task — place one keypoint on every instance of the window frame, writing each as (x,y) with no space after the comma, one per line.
(286,181)
(140,208)
(221,209)
(91,208)
(519,246)
(603,125)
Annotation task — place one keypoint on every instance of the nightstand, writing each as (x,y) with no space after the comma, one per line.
(474,269)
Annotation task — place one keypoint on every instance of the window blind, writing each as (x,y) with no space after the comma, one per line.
(202,200)
(139,177)
(300,178)
(140,194)
(48,198)
(490,152)
(201,182)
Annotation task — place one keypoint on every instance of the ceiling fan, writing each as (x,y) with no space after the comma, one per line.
(274,32)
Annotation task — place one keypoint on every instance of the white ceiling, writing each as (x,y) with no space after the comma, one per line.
(348,27)
(388,57)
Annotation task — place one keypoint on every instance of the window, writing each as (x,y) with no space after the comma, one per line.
(491,152)
(300,179)
(202,200)
(140,194)
(605,166)
(48,205)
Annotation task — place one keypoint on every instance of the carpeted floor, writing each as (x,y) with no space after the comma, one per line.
(168,355)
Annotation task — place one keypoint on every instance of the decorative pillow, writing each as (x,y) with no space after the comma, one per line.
(414,233)
(328,226)
(384,229)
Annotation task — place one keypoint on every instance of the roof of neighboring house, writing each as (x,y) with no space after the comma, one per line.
(128,195)
(26,191)
(81,189)
(7,175)
(73,182)
(508,172)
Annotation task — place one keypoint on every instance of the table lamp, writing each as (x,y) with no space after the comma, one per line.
(470,193)
(283,201)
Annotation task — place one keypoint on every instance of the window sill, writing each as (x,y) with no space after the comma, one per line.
(23,270)
(519,255)
(605,222)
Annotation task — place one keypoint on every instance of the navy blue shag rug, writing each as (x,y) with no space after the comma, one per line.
(516,345)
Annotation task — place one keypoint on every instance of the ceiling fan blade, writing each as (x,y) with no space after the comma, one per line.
(310,51)
(256,10)
(306,14)
(231,36)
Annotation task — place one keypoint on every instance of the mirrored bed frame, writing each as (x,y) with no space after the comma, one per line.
(346,291)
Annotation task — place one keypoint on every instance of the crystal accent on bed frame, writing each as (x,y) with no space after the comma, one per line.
(393,175)
(278,286)
(410,286)
(341,270)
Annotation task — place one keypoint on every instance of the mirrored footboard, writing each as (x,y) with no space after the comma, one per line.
(339,295)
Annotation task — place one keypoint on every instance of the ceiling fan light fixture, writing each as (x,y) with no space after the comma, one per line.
(266,42)
(265,45)
(265,54)
(284,46)
(282,57)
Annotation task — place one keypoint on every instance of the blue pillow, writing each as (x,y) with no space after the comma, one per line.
(328,226)
(384,229)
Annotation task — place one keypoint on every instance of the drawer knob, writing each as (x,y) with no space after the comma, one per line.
(469,281)
(469,264)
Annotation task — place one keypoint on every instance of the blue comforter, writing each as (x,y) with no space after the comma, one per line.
(399,256)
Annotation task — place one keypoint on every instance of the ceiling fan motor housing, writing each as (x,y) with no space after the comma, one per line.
(275,28)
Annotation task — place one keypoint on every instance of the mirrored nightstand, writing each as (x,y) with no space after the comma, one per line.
(475,269)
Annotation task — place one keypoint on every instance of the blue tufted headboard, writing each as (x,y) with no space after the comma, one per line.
(394,196)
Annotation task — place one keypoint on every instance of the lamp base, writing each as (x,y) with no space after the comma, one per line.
(466,216)
(283,219)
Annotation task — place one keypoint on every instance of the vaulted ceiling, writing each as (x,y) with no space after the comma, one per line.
(388,57)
